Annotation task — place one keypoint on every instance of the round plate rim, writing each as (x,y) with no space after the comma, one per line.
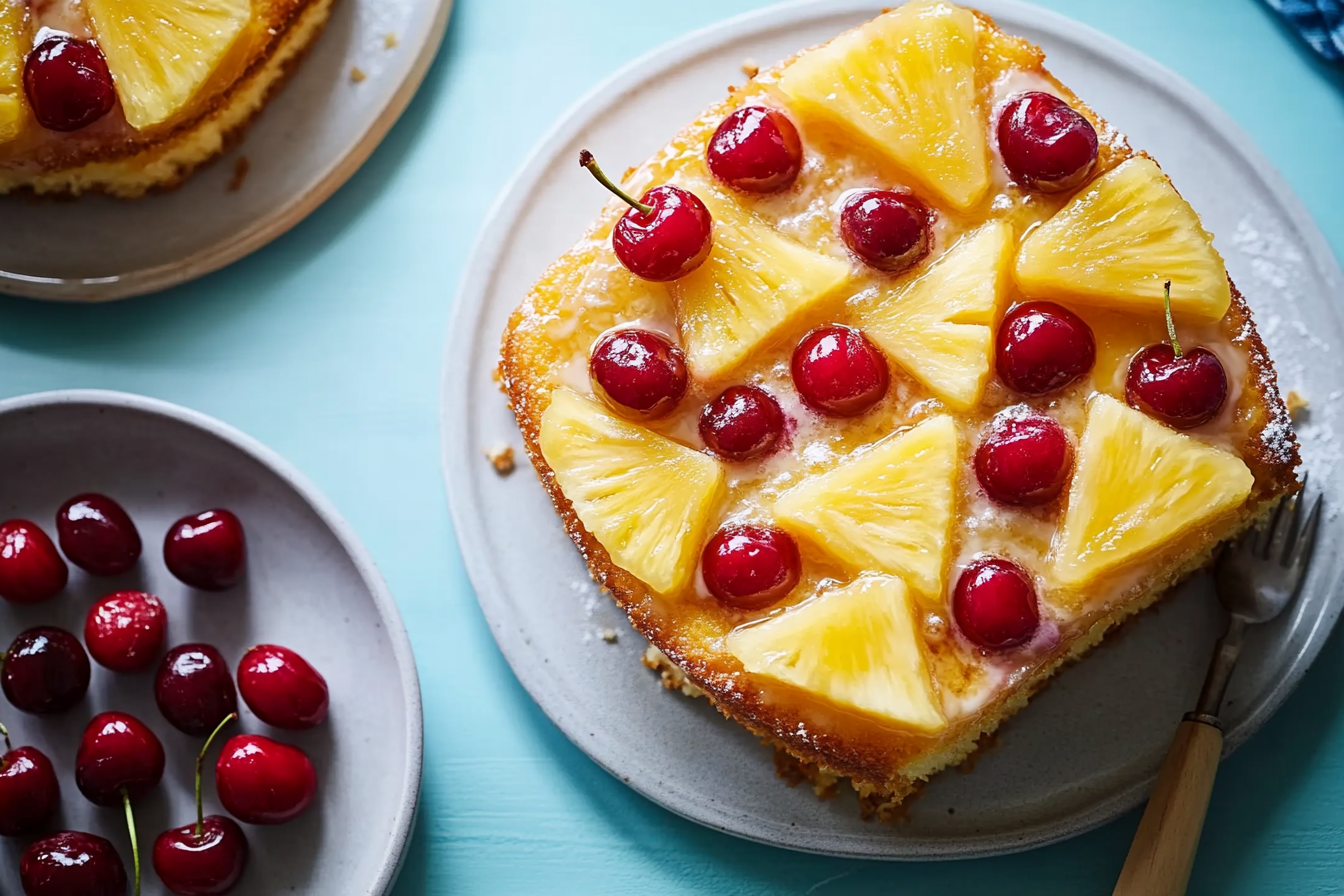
(390,866)
(463,354)
(259,232)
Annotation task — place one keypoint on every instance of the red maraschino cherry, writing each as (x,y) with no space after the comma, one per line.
(887,230)
(68,83)
(45,671)
(72,864)
(193,689)
(1023,459)
(30,569)
(262,781)
(1046,144)
(207,550)
(750,567)
(1182,389)
(1043,348)
(206,858)
(665,235)
(743,423)
(97,535)
(837,371)
(29,792)
(282,688)
(995,604)
(638,371)
(755,149)
(125,631)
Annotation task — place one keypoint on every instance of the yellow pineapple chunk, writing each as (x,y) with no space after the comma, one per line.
(887,508)
(857,646)
(14,45)
(754,281)
(1139,486)
(644,497)
(940,327)
(1118,240)
(161,52)
(906,83)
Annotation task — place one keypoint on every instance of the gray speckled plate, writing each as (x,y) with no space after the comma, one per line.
(1086,749)
(310,586)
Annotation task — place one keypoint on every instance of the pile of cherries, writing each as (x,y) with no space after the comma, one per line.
(1042,349)
(46,671)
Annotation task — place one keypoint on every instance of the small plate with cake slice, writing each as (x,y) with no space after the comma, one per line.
(187,134)
(876,400)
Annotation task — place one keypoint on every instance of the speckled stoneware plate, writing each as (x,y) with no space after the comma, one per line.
(310,586)
(307,142)
(1088,747)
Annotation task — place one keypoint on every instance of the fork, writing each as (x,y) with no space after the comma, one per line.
(1257,578)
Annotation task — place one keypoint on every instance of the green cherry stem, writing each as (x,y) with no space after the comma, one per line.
(5,731)
(135,846)
(200,761)
(587,161)
(1171,324)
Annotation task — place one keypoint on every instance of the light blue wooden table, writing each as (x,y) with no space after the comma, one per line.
(327,345)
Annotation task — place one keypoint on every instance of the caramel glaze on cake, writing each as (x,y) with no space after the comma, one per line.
(586,292)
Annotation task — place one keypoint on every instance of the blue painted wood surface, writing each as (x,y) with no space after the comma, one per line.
(327,345)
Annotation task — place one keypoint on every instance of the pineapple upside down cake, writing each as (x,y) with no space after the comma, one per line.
(903,380)
(121,96)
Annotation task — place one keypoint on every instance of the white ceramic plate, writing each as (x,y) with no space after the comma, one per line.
(1087,748)
(307,142)
(310,586)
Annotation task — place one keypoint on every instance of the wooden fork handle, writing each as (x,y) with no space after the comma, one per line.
(1164,846)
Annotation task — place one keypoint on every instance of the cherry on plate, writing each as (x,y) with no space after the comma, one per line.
(1042,348)
(743,423)
(1182,389)
(30,569)
(664,235)
(119,759)
(72,864)
(837,371)
(45,671)
(97,535)
(887,230)
(262,781)
(638,370)
(1023,459)
(207,550)
(1046,144)
(751,567)
(193,689)
(995,604)
(125,631)
(68,83)
(281,688)
(29,792)
(755,149)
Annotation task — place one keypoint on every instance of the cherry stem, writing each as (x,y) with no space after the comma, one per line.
(1171,324)
(5,732)
(135,846)
(587,161)
(200,761)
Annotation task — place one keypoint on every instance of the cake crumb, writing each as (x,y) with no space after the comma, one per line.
(390,40)
(750,68)
(240,168)
(500,456)
(609,635)
(672,677)
(357,74)
(1296,402)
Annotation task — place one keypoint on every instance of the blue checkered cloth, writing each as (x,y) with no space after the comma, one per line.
(1320,22)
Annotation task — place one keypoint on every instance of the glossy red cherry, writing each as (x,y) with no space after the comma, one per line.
(193,689)
(1182,389)
(281,688)
(665,235)
(995,604)
(1046,144)
(262,781)
(68,83)
(755,149)
(887,230)
(30,569)
(743,423)
(1043,348)
(72,864)
(837,371)
(750,567)
(1023,459)
(638,370)
(207,550)
(45,671)
(119,758)
(125,631)
(29,792)
(97,535)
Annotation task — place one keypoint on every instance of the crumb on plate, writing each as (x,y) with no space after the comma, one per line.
(241,166)
(500,456)
(750,67)
(390,40)
(357,74)
(609,635)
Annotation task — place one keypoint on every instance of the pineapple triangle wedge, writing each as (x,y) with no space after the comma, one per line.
(887,508)
(1119,240)
(754,281)
(1138,486)
(644,497)
(14,45)
(856,646)
(161,52)
(940,326)
(905,82)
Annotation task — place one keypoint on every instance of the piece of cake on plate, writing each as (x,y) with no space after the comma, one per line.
(890,386)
